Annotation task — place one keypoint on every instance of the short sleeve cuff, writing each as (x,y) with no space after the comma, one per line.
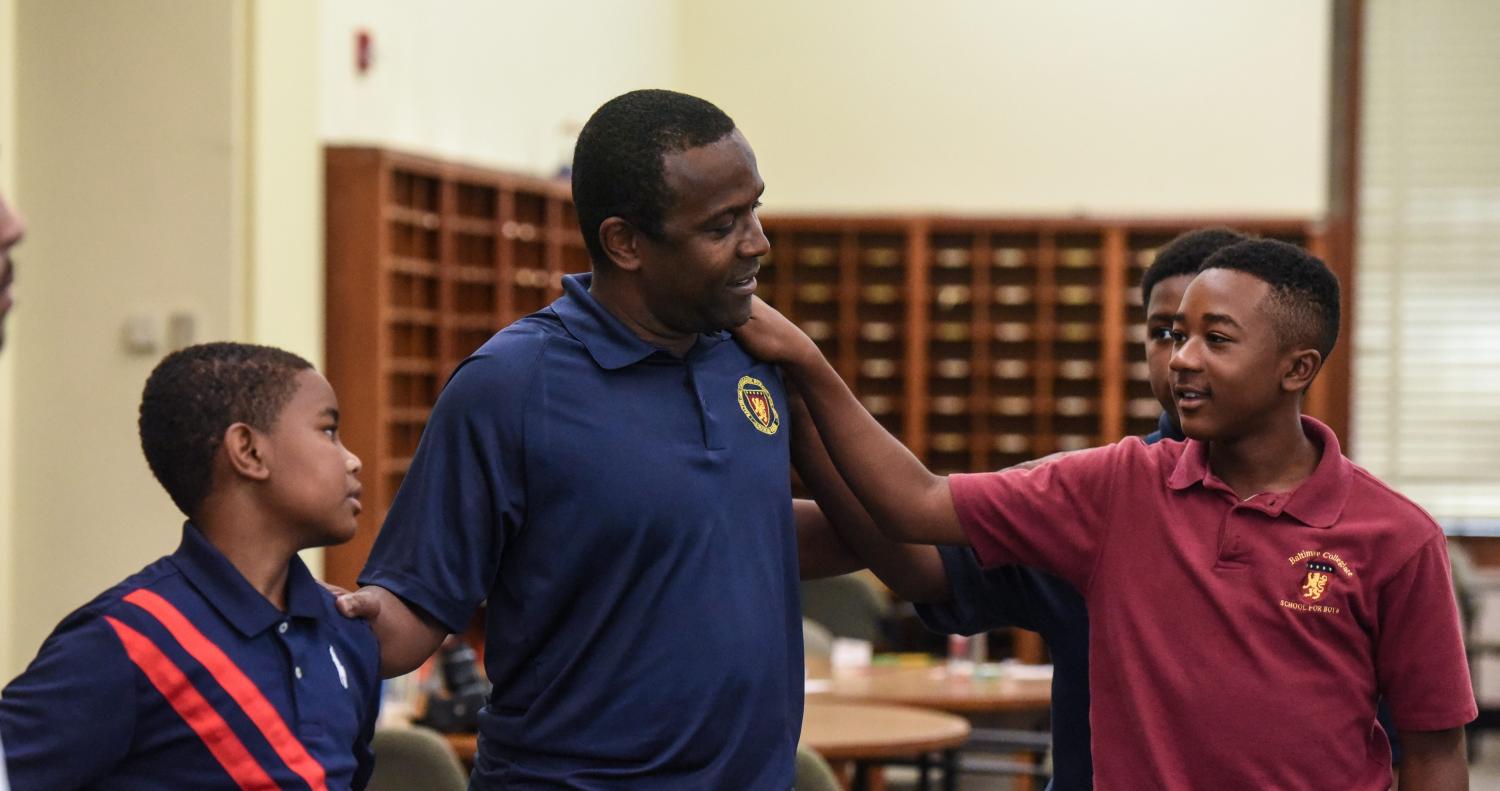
(450,613)
(967,490)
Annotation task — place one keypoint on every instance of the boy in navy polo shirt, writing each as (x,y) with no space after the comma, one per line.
(224,664)
(1251,591)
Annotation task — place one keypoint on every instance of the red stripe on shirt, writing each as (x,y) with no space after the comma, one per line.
(170,681)
(237,684)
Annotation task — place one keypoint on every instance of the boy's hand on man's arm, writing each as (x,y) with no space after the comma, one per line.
(407,635)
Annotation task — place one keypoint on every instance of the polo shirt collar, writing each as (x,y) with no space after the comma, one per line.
(1317,502)
(227,590)
(608,340)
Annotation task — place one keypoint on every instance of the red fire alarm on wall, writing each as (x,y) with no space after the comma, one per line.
(364,51)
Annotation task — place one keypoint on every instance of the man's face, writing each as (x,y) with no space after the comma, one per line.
(12,228)
(1228,362)
(1166,295)
(700,274)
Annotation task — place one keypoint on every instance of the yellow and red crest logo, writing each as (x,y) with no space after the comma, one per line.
(1316,582)
(755,402)
(1323,569)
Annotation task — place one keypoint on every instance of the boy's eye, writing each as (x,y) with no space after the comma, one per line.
(1159,334)
(332,432)
(1214,337)
(1177,336)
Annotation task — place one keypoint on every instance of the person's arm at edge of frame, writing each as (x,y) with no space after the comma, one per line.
(914,571)
(407,635)
(907,502)
(1433,761)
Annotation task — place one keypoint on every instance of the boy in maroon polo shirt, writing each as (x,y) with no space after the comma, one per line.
(1251,592)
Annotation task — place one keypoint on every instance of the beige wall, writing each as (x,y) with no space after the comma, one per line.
(1100,106)
(127,122)
(488,82)
(169,163)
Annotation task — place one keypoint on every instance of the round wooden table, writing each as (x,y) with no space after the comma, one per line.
(870,731)
(861,734)
(933,687)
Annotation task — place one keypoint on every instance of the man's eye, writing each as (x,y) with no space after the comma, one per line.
(1159,333)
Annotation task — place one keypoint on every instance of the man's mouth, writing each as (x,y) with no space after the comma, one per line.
(744,285)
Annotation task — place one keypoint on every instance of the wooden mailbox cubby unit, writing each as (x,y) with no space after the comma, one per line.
(980,341)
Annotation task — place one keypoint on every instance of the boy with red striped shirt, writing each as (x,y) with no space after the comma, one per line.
(224,664)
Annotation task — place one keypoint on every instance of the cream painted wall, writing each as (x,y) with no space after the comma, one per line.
(488,82)
(128,121)
(284,300)
(1159,106)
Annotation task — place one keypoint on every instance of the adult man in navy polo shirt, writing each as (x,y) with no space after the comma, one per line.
(610,475)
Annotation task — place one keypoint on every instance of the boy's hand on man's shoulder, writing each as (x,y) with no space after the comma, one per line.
(363,603)
(772,337)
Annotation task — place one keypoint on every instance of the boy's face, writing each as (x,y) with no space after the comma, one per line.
(1228,365)
(314,479)
(1166,296)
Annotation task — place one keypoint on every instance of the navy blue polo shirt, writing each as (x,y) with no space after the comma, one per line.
(980,600)
(626,515)
(184,676)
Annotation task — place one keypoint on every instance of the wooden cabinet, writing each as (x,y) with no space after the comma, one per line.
(980,341)
(983,342)
(426,260)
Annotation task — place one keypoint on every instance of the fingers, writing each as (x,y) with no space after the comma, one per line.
(359,604)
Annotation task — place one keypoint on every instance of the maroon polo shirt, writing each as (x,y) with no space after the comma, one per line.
(1237,644)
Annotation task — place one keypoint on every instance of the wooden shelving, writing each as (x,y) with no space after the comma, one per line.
(981,342)
(426,260)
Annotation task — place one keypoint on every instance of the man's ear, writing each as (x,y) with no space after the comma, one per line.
(245,451)
(621,242)
(1301,366)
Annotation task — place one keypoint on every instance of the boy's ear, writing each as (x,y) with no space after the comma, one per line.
(619,240)
(1302,366)
(244,449)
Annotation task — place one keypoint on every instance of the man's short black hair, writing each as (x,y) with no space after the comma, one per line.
(195,394)
(617,164)
(1184,254)
(1304,296)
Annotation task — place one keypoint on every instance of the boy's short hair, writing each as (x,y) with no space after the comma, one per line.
(1184,254)
(617,164)
(194,395)
(1304,292)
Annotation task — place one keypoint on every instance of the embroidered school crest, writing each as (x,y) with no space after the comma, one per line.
(756,403)
(1316,583)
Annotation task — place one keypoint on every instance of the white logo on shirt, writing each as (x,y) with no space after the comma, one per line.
(339,666)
